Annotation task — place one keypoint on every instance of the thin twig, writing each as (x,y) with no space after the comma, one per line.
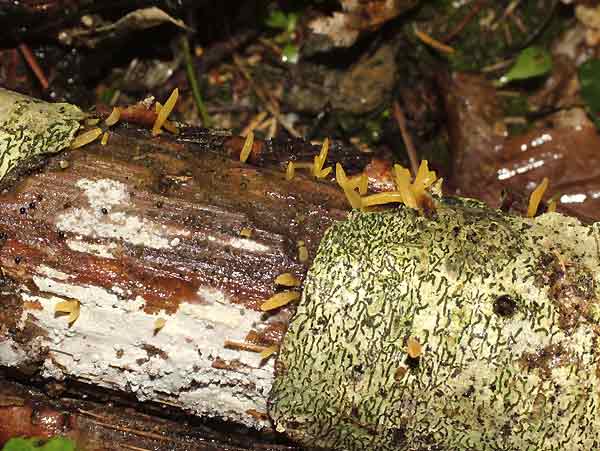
(251,347)
(265,98)
(135,448)
(431,42)
(133,431)
(463,23)
(33,64)
(91,414)
(191,74)
(408,142)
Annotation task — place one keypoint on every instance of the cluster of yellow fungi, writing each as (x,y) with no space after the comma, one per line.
(161,121)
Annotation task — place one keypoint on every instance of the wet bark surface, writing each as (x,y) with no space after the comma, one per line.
(175,228)
(102,424)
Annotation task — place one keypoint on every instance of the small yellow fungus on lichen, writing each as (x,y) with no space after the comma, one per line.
(402,179)
(246,232)
(536,198)
(414,348)
(382,198)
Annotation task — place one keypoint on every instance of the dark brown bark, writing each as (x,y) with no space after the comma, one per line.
(99,425)
(190,199)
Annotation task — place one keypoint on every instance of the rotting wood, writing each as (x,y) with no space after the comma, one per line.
(146,229)
(27,411)
(116,232)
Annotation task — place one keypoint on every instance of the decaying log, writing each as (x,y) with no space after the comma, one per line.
(146,231)
(99,425)
(446,325)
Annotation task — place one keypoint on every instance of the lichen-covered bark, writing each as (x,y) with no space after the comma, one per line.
(31,127)
(470,330)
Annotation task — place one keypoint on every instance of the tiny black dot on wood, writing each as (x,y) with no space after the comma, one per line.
(17,260)
(32,205)
(505,305)
(61,235)
(22,210)
(159,204)
(104,211)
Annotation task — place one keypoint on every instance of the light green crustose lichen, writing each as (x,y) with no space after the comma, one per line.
(506,311)
(31,127)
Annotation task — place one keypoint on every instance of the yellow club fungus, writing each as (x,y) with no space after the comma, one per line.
(164,112)
(86,137)
(246,232)
(290,171)
(319,161)
(414,348)
(402,179)
(415,193)
(104,139)
(168,125)
(268,352)
(382,198)
(536,198)
(302,252)
(353,197)
(71,307)
(423,180)
(279,300)
(159,323)
(287,280)
(361,182)
(247,148)
(113,117)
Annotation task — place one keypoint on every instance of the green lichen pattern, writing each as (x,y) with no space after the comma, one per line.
(505,309)
(31,127)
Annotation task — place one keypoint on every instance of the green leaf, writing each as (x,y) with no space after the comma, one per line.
(37,444)
(283,21)
(531,62)
(589,79)
(290,54)
(277,19)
